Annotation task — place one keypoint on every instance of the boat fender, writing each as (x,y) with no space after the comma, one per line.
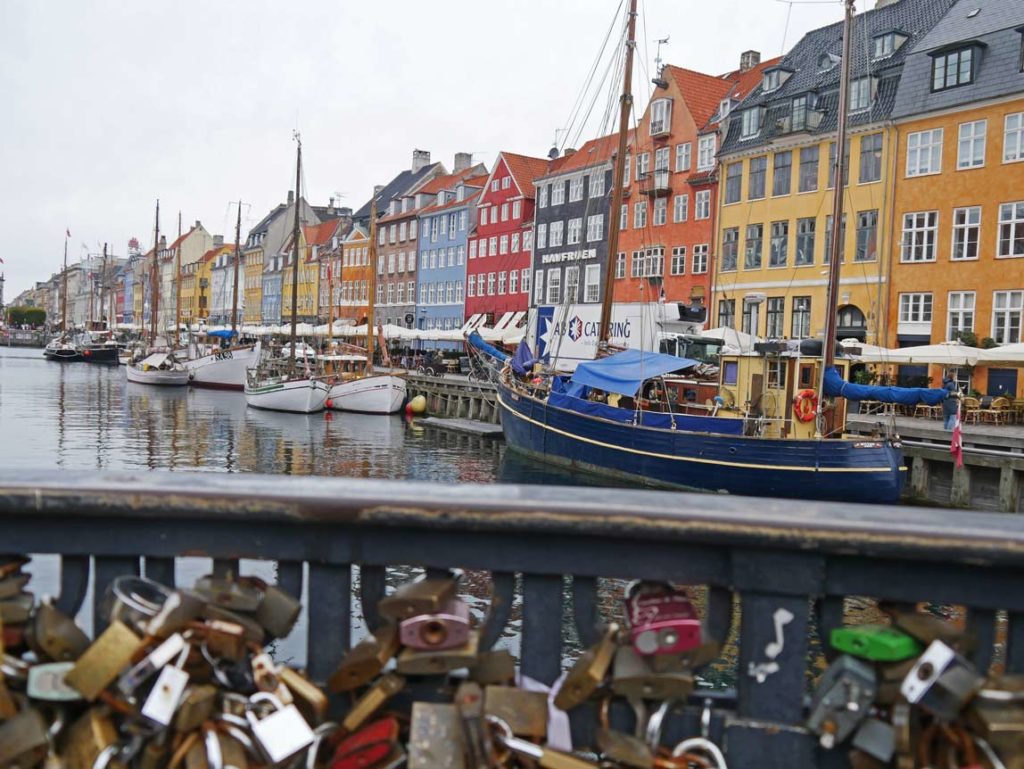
(805,405)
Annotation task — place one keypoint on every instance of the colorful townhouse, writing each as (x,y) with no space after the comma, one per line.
(196,279)
(353,292)
(191,245)
(277,260)
(444,229)
(499,266)
(774,223)
(958,234)
(253,261)
(319,238)
(221,288)
(330,260)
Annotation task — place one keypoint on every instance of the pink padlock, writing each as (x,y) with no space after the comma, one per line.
(447,629)
(662,620)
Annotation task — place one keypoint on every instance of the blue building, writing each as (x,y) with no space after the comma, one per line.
(441,278)
(272,268)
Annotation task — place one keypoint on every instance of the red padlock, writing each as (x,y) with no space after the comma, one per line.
(368,747)
(662,620)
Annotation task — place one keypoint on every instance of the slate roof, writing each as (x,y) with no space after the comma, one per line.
(914,18)
(470,198)
(402,183)
(264,223)
(997,27)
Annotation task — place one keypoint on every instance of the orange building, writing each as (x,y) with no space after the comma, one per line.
(667,224)
(958,219)
(351,272)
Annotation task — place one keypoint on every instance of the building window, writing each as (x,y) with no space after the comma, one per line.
(558,193)
(771,80)
(960,314)
(706,148)
(1013,138)
(574,231)
(952,69)
(1007,309)
(799,113)
(620,266)
(595,227)
(782,172)
(775,317)
(555,238)
(502,277)
(683,156)
(808,169)
(884,45)
(680,208)
(924,152)
(751,124)
(572,283)
(472,249)
(490,284)
(524,280)
(860,94)
(625,171)
(527,240)
(726,313)
(779,248)
(702,204)
(470,289)
(1011,229)
(970,151)
(733,182)
(832,164)
(504,215)
(756,180)
(661,158)
(554,286)
(637,265)
(502,248)
(624,217)
(751,317)
(575,189)
(870,158)
(592,287)
(596,187)
(640,214)
(643,165)
(753,246)
(678,264)
(867,236)
(661,116)
(513,281)
(730,248)
(919,230)
(966,232)
(699,265)
(800,324)
(542,198)
(828,239)
(916,308)
(660,211)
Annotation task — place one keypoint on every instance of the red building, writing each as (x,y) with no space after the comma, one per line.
(498,269)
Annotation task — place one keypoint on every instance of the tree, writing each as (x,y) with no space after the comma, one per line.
(32,316)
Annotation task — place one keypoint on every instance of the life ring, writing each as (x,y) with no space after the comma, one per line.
(805,405)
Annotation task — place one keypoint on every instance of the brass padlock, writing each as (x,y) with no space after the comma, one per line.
(624,749)
(386,687)
(101,663)
(53,635)
(476,746)
(365,660)
(24,740)
(308,697)
(17,610)
(181,608)
(495,667)
(927,627)
(589,671)
(278,611)
(545,757)
(253,630)
(225,640)
(195,707)
(420,663)
(997,714)
(424,596)
(13,585)
(526,713)
(89,736)
(229,593)
(634,679)
(435,737)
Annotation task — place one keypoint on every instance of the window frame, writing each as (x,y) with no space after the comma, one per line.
(961,237)
(677,265)
(1014,225)
(1008,310)
(924,230)
(945,56)
(960,311)
(971,141)
(933,147)
(777,189)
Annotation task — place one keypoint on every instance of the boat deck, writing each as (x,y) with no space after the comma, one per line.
(975,436)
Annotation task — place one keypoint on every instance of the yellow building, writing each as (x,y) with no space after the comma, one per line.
(252,259)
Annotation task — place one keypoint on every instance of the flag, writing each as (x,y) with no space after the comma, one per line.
(1,261)
(956,445)
(67,231)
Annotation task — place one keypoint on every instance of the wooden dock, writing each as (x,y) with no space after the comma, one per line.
(471,426)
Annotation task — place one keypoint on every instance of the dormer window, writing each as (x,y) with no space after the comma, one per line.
(860,93)
(771,80)
(827,61)
(661,116)
(953,68)
(751,122)
(887,44)
(724,108)
(799,113)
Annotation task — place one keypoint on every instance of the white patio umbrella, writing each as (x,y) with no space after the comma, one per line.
(731,337)
(1007,353)
(943,353)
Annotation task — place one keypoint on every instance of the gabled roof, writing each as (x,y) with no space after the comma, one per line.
(963,23)
(433,187)
(451,204)
(524,169)
(358,232)
(319,234)
(594,152)
(703,93)
(402,183)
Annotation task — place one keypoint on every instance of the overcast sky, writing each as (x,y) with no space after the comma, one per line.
(105,106)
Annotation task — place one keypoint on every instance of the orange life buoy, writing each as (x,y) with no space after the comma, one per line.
(805,406)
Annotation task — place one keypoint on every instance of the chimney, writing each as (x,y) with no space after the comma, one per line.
(218,241)
(343,212)
(377,190)
(553,153)
(163,241)
(568,151)
(420,160)
(330,207)
(749,60)
(463,160)
(291,196)
(198,225)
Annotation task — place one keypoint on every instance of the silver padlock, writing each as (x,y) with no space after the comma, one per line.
(701,745)
(941,682)
(162,702)
(877,738)
(281,734)
(841,700)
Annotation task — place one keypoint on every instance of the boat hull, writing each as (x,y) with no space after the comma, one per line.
(63,355)
(369,395)
(101,354)
(845,470)
(299,396)
(161,377)
(223,370)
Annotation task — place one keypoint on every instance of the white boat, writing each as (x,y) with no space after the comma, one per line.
(299,396)
(373,394)
(222,369)
(159,368)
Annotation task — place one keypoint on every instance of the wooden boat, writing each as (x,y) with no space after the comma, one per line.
(158,368)
(62,349)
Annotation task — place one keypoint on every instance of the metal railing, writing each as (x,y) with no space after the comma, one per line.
(551,545)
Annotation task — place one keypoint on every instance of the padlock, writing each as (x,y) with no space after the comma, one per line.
(624,749)
(997,714)
(278,611)
(283,732)
(88,737)
(525,713)
(545,757)
(162,703)
(373,699)
(367,747)
(927,628)
(8,707)
(476,749)
(662,619)
(589,671)
(179,609)
(634,679)
(46,683)
(435,737)
(133,601)
(890,678)
(229,593)
(418,663)
(700,748)
(878,643)
(24,739)
(13,566)
(17,610)
(941,682)
(253,630)
(53,635)
(130,681)
(424,596)
(101,663)
(196,706)
(226,640)
(264,675)
(445,629)
(13,585)
(877,738)
(365,660)
(308,697)
(497,666)
(842,700)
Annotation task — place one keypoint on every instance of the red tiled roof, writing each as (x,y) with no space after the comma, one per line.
(213,252)
(319,234)
(525,169)
(745,82)
(592,153)
(703,93)
(447,181)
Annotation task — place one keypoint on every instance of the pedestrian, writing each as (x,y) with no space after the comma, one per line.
(952,402)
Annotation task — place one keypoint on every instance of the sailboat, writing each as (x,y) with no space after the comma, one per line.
(278,384)
(160,366)
(358,388)
(102,347)
(224,368)
(772,428)
(61,348)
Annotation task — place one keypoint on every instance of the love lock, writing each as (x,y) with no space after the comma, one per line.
(702,747)
(282,733)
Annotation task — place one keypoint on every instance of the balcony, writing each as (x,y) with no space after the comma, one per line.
(656,184)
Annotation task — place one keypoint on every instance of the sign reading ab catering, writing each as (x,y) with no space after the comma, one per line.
(569,333)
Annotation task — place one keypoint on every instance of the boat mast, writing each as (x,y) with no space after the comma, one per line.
(625,108)
(177,286)
(839,177)
(64,292)
(295,244)
(238,246)
(154,279)
(372,288)
(330,297)
(104,277)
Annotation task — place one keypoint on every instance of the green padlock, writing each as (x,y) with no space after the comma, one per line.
(878,643)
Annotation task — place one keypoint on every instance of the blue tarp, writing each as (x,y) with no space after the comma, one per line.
(625,371)
(222,333)
(478,342)
(523,360)
(697,424)
(836,386)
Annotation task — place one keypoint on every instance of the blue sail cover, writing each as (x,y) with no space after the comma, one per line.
(478,342)
(523,360)
(836,386)
(224,333)
(625,371)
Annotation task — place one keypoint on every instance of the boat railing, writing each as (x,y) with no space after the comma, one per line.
(772,577)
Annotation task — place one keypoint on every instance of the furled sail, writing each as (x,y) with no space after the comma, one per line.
(836,386)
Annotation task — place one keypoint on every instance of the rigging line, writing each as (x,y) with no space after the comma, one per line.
(785,29)
(586,118)
(571,118)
